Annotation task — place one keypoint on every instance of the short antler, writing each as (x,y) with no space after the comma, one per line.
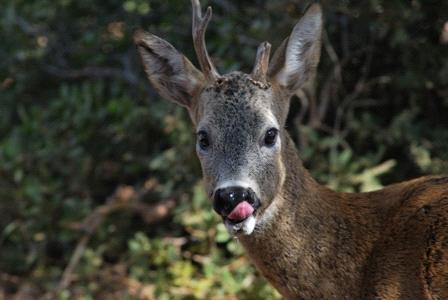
(261,63)
(199,26)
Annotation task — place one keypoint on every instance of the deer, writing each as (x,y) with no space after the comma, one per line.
(308,241)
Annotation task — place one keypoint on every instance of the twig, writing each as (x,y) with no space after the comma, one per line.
(27,27)
(154,213)
(90,225)
(74,260)
(125,73)
(125,197)
(93,72)
(8,278)
(333,79)
(360,87)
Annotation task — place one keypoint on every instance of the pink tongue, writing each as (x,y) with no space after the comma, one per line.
(241,211)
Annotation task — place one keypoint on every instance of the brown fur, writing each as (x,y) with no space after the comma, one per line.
(308,241)
(388,244)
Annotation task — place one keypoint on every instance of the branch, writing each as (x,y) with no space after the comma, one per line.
(125,197)
(334,78)
(92,72)
(27,27)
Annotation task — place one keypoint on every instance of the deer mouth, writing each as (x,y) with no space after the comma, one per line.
(241,220)
(240,212)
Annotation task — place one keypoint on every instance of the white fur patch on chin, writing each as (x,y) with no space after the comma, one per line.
(245,227)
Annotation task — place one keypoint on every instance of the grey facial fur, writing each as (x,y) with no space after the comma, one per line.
(235,114)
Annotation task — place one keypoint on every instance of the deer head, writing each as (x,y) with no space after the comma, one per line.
(239,118)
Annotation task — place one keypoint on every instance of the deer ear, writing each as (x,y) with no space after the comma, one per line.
(170,72)
(295,61)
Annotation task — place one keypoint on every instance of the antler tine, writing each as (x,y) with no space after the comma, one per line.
(198,29)
(261,63)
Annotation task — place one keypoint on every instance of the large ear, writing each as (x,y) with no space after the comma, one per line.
(296,60)
(170,72)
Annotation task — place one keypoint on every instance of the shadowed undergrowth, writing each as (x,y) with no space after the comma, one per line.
(100,192)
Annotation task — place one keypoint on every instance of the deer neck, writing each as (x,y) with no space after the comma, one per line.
(315,241)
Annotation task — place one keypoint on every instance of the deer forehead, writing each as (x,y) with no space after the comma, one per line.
(237,103)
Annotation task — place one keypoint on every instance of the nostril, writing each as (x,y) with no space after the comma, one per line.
(220,204)
(246,195)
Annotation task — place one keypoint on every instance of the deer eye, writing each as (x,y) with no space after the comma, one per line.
(203,140)
(270,137)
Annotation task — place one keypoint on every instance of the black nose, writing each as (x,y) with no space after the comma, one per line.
(227,198)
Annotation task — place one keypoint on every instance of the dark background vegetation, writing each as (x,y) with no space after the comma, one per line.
(100,191)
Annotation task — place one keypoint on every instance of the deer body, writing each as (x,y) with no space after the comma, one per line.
(308,241)
(388,244)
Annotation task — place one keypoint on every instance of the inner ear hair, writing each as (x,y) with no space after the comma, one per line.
(170,72)
(296,59)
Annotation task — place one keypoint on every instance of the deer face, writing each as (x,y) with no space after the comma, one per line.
(239,118)
(239,146)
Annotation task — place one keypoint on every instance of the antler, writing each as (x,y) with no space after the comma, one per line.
(199,26)
(261,63)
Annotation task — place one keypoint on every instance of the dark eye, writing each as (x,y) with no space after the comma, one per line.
(203,140)
(270,137)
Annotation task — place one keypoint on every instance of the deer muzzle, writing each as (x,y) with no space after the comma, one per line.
(235,203)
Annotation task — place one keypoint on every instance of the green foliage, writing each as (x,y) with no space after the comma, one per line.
(78,119)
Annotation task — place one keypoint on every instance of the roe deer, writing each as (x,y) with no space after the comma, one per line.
(307,240)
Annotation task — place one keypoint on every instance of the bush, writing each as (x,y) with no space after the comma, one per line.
(80,127)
